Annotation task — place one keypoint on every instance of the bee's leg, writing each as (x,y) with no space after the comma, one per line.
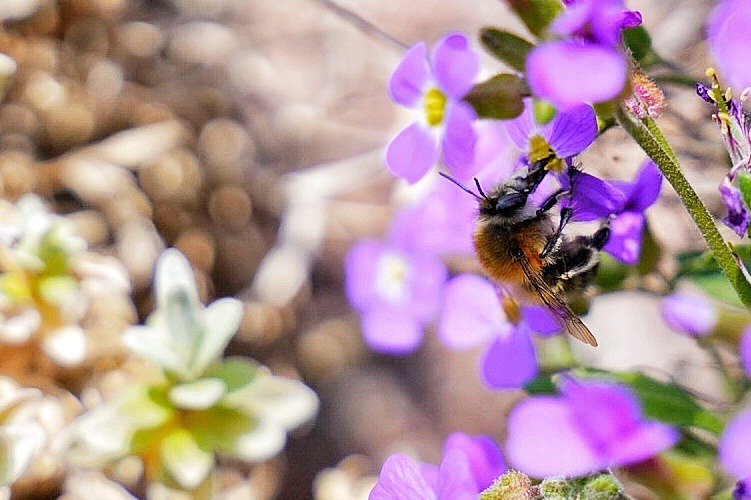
(566,214)
(552,200)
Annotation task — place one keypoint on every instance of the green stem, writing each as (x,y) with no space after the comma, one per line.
(649,137)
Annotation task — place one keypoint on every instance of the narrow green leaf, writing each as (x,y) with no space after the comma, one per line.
(506,46)
(499,98)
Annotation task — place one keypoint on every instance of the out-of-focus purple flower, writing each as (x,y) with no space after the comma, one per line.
(396,291)
(435,87)
(735,129)
(733,449)
(742,490)
(591,425)
(691,314)
(729,36)
(472,315)
(469,465)
(440,223)
(625,202)
(590,32)
(745,350)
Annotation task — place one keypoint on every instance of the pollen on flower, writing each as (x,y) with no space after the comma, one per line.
(540,149)
(435,105)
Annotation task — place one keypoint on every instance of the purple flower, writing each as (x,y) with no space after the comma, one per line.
(440,223)
(625,202)
(692,314)
(591,38)
(745,350)
(435,87)
(472,314)
(729,36)
(591,425)
(738,216)
(469,465)
(396,291)
(567,134)
(733,449)
(735,129)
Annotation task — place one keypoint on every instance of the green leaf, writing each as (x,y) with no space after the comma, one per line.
(669,402)
(718,287)
(536,14)
(612,273)
(499,98)
(650,253)
(639,43)
(187,463)
(506,46)
(541,385)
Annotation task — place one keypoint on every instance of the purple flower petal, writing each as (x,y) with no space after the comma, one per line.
(400,478)
(610,416)
(571,131)
(543,440)
(510,361)
(625,237)
(459,140)
(455,65)
(646,441)
(738,217)
(745,350)
(594,198)
(471,312)
(523,127)
(729,35)
(442,222)
(485,459)
(690,314)
(412,152)
(733,447)
(742,490)
(592,425)
(360,272)
(550,68)
(645,188)
(409,79)
(540,319)
(568,133)
(425,282)
(493,149)
(455,479)
(386,331)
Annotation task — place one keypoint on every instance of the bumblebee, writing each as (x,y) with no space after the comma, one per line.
(518,244)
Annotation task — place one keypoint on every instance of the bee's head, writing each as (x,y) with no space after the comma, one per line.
(507,203)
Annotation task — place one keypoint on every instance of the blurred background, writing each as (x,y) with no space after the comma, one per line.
(249,135)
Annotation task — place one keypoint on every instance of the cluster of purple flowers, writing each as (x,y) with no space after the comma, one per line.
(401,285)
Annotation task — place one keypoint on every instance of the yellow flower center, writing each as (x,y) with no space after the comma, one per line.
(540,149)
(435,105)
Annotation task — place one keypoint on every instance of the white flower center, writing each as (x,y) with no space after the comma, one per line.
(392,272)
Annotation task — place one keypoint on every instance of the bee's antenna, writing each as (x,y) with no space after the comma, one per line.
(479,188)
(463,187)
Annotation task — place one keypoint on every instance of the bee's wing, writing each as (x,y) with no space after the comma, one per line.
(569,321)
